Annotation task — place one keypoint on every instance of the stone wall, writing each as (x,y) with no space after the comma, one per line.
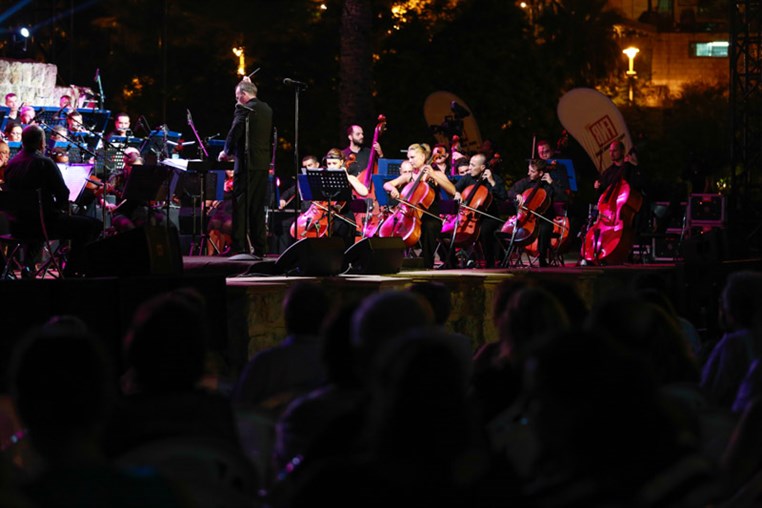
(34,83)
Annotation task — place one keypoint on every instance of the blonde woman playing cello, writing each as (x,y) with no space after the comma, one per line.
(427,223)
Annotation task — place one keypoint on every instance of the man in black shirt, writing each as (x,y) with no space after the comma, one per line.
(356,138)
(248,142)
(31,170)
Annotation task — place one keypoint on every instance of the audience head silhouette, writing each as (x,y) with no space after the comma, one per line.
(166,344)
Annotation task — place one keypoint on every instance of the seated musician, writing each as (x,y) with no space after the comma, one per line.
(334,159)
(220,225)
(478,172)
(418,155)
(537,175)
(558,172)
(287,197)
(126,213)
(30,170)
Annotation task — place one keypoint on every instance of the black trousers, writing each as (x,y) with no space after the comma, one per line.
(249,200)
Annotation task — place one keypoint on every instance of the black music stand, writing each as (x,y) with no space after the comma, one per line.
(145,183)
(202,168)
(329,185)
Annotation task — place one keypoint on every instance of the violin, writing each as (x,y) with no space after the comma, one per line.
(523,226)
(369,222)
(611,236)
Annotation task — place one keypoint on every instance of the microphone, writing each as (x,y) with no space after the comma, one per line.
(293,82)
(190,118)
(209,138)
(97,75)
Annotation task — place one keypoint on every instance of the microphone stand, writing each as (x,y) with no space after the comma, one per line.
(101,96)
(297,162)
(203,154)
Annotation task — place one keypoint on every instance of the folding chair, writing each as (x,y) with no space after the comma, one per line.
(19,243)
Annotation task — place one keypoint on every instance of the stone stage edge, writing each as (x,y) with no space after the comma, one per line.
(245,303)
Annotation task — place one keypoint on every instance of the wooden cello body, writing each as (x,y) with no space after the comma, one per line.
(610,238)
(522,227)
(405,221)
(464,226)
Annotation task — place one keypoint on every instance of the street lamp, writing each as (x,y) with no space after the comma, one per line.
(631,52)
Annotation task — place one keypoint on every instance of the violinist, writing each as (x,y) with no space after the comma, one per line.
(479,173)
(418,155)
(439,158)
(537,174)
(129,214)
(356,137)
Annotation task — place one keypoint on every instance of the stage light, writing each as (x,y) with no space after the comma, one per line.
(24,32)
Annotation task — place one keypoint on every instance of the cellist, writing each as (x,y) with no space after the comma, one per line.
(479,173)
(537,175)
(418,155)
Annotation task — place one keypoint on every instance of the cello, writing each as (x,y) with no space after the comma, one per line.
(522,227)
(609,240)
(464,226)
(368,221)
(405,221)
(313,223)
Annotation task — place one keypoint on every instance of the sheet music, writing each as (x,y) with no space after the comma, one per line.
(75,177)
(181,164)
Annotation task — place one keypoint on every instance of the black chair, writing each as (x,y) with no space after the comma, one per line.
(19,244)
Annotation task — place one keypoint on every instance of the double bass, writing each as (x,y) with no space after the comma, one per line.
(610,238)
(368,222)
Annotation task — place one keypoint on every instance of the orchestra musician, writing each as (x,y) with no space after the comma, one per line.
(557,171)
(12,102)
(30,170)
(334,159)
(220,227)
(5,156)
(356,137)
(439,158)
(537,174)
(418,155)
(128,214)
(479,172)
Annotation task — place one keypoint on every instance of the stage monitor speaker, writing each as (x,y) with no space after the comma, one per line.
(312,257)
(147,250)
(375,256)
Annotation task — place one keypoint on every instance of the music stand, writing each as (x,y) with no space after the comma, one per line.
(329,185)
(75,177)
(144,184)
(202,168)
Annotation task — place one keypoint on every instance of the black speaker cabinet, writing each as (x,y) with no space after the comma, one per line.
(147,250)
(312,257)
(375,256)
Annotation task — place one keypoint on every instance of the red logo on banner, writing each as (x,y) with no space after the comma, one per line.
(603,131)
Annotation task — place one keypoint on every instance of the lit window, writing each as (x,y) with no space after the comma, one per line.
(714,49)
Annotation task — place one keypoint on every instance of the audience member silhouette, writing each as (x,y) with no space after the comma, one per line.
(166,349)
(605,437)
(64,388)
(528,317)
(275,376)
(732,356)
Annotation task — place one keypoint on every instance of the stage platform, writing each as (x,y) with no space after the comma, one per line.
(245,301)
